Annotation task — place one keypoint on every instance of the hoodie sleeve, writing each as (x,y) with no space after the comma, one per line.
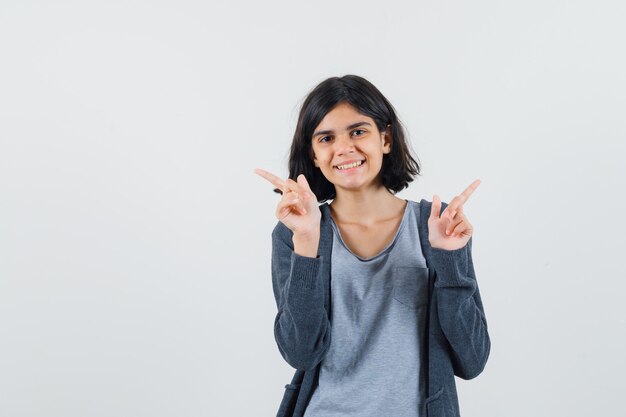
(460,309)
(301,327)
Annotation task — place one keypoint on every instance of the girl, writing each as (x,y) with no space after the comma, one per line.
(378,303)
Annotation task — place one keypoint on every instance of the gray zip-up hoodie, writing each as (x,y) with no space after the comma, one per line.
(457,340)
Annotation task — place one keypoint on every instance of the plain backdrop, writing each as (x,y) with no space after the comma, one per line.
(135,237)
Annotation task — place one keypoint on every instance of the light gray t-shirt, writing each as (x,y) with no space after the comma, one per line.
(378,310)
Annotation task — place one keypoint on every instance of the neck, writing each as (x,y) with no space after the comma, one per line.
(365,207)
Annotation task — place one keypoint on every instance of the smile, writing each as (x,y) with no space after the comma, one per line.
(349,166)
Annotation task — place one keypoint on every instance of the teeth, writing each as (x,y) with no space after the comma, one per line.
(352,165)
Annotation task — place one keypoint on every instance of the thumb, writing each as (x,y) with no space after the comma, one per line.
(435,208)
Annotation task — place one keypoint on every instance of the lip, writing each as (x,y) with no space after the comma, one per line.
(349,162)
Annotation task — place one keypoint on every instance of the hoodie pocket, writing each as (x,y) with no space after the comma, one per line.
(410,286)
(288,404)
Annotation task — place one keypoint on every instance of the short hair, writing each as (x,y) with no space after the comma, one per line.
(398,166)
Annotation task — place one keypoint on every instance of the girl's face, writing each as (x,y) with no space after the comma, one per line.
(348,148)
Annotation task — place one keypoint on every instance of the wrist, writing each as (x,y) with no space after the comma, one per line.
(306,235)
(306,244)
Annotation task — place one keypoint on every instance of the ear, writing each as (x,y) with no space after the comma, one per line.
(387,139)
(314,159)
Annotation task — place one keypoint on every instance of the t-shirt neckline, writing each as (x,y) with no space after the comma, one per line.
(386,248)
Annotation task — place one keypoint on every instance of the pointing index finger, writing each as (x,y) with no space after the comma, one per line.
(278,183)
(459,200)
(469,190)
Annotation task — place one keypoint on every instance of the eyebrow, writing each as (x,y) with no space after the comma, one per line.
(352,126)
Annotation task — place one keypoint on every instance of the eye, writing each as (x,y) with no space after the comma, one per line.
(359,130)
(323,139)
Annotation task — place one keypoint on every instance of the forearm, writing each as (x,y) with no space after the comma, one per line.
(301,327)
(460,310)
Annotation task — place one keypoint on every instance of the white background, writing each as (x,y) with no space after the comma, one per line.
(135,237)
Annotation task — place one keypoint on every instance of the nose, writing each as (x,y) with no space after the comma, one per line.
(344,144)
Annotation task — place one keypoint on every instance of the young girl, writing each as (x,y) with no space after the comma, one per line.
(378,303)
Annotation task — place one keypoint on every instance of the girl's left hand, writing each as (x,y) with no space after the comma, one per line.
(451,230)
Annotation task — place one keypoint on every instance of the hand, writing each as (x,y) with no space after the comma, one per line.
(452,230)
(298,208)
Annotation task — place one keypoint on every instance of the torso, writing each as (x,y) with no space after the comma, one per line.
(368,241)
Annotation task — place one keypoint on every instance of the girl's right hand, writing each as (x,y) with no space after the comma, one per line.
(298,208)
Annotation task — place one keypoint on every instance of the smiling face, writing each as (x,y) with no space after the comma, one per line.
(348,148)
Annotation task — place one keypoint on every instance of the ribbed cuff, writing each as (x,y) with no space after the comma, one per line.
(450,265)
(304,271)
